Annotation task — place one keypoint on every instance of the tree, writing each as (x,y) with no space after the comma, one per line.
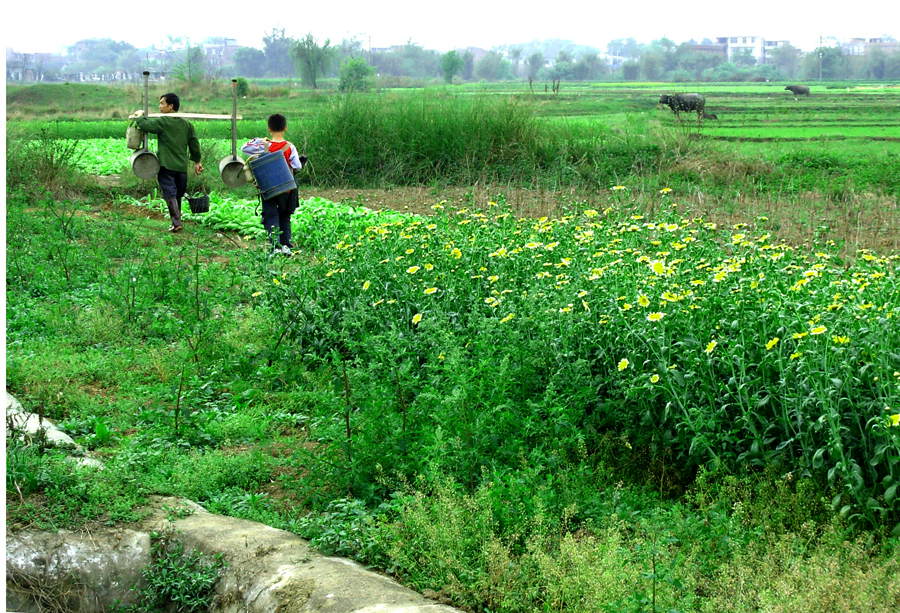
(468,68)
(533,64)
(451,64)
(192,68)
(787,59)
(311,58)
(589,67)
(277,48)
(492,67)
(355,75)
(250,62)
(516,54)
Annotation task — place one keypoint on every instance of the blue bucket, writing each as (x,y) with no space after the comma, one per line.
(273,175)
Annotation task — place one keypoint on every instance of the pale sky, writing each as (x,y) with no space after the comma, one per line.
(40,26)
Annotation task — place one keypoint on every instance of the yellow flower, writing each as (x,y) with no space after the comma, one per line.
(409,251)
(413,270)
(796,355)
(255,294)
(818,330)
(429,267)
(623,364)
(626,307)
(710,346)
(798,335)
(276,281)
(643,300)
(416,319)
(507,318)
(430,290)
(655,316)
(366,285)
(772,343)
(658,267)
(840,340)
(493,278)
(617,188)
(654,378)
(665,190)
(590,213)
(894,419)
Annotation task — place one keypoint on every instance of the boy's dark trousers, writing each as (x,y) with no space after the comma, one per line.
(276,214)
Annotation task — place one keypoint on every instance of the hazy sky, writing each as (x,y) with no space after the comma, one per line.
(40,26)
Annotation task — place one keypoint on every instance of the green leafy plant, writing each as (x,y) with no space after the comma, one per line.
(176,580)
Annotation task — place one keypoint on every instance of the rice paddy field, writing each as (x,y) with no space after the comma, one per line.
(598,360)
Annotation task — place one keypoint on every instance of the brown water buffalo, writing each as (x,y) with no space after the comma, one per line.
(798,90)
(684,102)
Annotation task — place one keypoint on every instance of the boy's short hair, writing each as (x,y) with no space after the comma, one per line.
(277,122)
(172,99)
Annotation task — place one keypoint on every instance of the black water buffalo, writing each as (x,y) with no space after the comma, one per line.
(798,90)
(684,102)
(710,116)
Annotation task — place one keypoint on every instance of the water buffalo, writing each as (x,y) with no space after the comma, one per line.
(710,116)
(684,102)
(798,90)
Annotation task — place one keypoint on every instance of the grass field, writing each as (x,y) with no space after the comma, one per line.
(676,388)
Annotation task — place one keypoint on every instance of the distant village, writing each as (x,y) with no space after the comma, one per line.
(219,57)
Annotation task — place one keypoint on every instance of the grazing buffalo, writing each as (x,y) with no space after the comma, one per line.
(798,90)
(684,102)
(710,116)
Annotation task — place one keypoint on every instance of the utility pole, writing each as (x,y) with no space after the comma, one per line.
(820,53)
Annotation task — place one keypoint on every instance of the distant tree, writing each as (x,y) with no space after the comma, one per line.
(623,47)
(492,67)
(589,67)
(825,63)
(192,67)
(311,59)
(515,53)
(468,67)
(652,65)
(277,48)
(787,59)
(451,65)
(409,60)
(631,70)
(250,62)
(533,64)
(744,57)
(356,75)
(876,62)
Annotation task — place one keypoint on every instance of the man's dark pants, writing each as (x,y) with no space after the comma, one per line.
(173,185)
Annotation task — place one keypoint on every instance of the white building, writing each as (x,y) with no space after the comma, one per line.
(756,46)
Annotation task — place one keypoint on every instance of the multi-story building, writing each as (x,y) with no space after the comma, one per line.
(756,46)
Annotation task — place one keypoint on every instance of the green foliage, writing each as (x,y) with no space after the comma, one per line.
(451,65)
(355,75)
(242,88)
(177,581)
(312,59)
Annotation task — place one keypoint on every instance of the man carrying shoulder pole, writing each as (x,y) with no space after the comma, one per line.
(177,143)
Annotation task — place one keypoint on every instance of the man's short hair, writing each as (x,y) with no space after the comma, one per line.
(172,99)
(277,122)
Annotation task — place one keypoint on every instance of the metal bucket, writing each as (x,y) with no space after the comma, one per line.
(231,169)
(273,175)
(145,164)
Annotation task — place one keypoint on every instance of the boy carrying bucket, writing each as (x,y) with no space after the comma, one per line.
(277,210)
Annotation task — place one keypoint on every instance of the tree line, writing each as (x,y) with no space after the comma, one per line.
(354,67)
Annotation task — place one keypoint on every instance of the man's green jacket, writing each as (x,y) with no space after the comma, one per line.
(176,139)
